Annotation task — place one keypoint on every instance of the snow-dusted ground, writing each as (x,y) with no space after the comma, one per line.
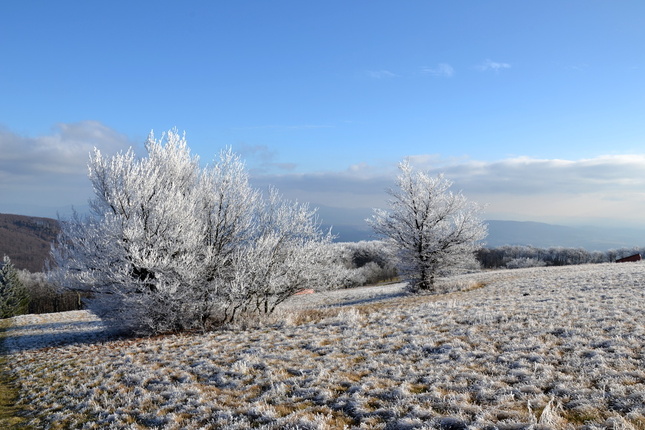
(46,330)
(530,348)
(348,297)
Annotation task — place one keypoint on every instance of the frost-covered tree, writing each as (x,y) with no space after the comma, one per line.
(44,297)
(286,252)
(140,248)
(227,214)
(14,298)
(432,228)
(168,244)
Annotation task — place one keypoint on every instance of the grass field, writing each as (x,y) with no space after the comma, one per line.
(543,348)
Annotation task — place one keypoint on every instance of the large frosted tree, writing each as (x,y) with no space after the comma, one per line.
(169,245)
(140,248)
(433,229)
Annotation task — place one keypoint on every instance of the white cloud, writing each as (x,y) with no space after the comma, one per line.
(524,175)
(381,74)
(442,70)
(493,65)
(521,188)
(51,171)
(261,152)
(63,152)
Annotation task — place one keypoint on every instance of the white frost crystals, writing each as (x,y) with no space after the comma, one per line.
(542,348)
(168,245)
(433,229)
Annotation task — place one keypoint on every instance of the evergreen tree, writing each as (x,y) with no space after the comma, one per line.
(14,298)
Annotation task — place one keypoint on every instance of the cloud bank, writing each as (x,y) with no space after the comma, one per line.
(602,190)
(39,175)
(45,174)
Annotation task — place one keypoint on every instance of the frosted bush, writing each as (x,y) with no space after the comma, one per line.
(522,263)
(171,246)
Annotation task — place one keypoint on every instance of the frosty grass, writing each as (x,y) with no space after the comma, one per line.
(535,348)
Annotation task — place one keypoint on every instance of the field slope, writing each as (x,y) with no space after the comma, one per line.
(550,348)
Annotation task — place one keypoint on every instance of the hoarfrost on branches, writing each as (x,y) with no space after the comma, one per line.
(169,245)
(433,229)
(288,252)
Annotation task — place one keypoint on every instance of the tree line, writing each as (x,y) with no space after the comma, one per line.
(24,292)
(518,256)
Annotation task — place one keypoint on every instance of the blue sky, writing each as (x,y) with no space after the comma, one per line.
(534,108)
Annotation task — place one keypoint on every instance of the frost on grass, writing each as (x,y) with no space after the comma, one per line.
(541,348)
(35,331)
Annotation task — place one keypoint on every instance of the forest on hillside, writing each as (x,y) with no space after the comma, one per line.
(27,240)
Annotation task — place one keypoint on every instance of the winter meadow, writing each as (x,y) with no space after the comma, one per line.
(210,304)
(557,347)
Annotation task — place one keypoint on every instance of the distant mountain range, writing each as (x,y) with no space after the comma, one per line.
(537,234)
(26,240)
(543,235)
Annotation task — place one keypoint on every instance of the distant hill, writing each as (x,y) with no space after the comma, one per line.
(26,240)
(543,235)
(540,235)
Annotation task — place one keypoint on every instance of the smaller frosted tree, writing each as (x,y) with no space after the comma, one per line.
(14,298)
(433,229)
